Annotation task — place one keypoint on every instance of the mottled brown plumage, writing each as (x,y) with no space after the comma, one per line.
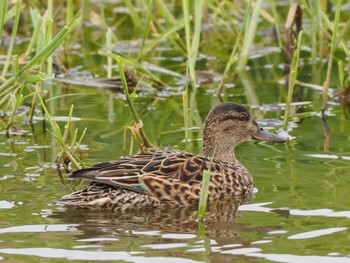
(171,177)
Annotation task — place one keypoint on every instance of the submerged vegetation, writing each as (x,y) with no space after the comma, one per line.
(120,45)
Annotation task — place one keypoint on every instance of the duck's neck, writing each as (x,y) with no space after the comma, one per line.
(220,152)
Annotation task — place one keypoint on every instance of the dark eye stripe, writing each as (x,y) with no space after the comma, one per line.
(230,118)
(241,117)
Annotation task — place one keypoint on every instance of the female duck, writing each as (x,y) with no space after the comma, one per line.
(171,177)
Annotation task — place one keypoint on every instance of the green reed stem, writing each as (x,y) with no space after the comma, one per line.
(146,31)
(341,39)
(198,11)
(330,60)
(163,9)
(17,102)
(315,27)
(73,143)
(340,35)
(291,80)
(66,127)
(48,37)
(166,34)
(70,11)
(192,43)
(15,65)
(142,133)
(131,62)
(82,136)
(187,20)
(186,114)
(3,7)
(109,47)
(56,132)
(276,23)
(170,21)
(233,57)
(204,195)
(37,20)
(42,54)
(203,199)
(133,13)
(341,73)
(40,43)
(13,37)
(52,45)
(85,7)
(249,35)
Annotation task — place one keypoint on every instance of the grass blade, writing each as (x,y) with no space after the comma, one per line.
(203,199)
(44,53)
(109,47)
(147,26)
(142,134)
(233,57)
(249,35)
(13,37)
(3,7)
(330,60)
(291,81)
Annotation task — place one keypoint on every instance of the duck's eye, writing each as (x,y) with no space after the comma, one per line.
(243,117)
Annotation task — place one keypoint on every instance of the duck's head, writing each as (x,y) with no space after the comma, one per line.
(229,124)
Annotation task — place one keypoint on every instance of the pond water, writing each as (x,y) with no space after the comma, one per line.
(300,212)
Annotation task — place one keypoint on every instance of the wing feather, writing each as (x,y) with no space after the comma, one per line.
(166,163)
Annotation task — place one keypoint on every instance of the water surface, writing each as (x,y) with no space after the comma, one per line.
(300,212)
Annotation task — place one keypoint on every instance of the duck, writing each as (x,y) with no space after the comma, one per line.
(170,177)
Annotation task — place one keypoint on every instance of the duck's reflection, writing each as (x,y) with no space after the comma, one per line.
(219,220)
(221,226)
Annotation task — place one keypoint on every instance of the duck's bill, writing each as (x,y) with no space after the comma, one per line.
(263,135)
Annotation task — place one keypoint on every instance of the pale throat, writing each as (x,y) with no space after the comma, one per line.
(220,151)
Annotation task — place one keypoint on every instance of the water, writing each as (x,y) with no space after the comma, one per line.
(301,210)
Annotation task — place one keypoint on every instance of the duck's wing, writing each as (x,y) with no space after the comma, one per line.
(166,165)
(177,178)
(179,165)
(123,172)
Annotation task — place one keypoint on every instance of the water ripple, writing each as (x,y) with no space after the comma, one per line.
(260,207)
(91,255)
(38,228)
(288,258)
(6,204)
(317,233)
